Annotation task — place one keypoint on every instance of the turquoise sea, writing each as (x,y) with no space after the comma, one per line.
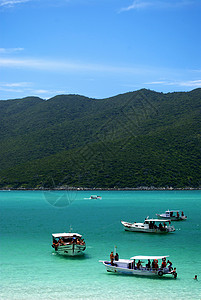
(30,269)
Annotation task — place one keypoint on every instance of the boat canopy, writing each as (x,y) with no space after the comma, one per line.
(173,210)
(148,257)
(157,220)
(64,234)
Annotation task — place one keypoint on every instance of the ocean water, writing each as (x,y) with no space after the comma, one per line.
(30,269)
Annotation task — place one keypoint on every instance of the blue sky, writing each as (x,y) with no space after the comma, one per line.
(98,48)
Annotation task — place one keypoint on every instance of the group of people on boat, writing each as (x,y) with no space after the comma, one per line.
(161,227)
(113,257)
(150,265)
(154,265)
(177,215)
(69,241)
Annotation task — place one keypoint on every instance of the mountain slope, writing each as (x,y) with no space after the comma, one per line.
(140,138)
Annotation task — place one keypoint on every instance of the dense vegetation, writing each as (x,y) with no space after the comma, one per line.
(136,139)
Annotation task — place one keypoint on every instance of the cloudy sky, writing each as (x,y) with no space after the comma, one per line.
(98,48)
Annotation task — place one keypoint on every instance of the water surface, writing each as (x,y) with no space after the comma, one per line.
(31,270)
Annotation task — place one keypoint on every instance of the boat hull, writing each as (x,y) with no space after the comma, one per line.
(141,227)
(70,250)
(135,272)
(146,230)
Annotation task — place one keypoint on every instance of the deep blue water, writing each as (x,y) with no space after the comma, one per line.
(31,270)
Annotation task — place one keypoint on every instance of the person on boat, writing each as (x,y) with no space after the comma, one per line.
(151,225)
(139,264)
(82,242)
(61,242)
(154,226)
(112,258)
(164,264)
(74,240)
(148,265)
(177,214)
(182,213)
(155,264)
(55,244)
(170,265)
(116,257)
(160,226)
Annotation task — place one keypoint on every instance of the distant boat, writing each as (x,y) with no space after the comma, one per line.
(136,266)
(95,197)
(149,226)
(173,215)
(70,244)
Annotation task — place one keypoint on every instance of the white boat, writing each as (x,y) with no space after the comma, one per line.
(142,265)
(173,215)
(70,244)
(150,226)
(95,197)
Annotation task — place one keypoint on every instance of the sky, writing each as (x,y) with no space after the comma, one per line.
(98,48)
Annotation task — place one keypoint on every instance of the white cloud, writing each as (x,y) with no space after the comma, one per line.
(137,4)
(190,83)
(27,88)
(140,4)
(66,66)
(184,83)
(14,84)
(17,87)
(9,3)
(10,50)
(47,93)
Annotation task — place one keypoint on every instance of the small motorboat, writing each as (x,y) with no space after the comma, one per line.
(95,197)
(150,226)
(173,215)
(142,265)
(70,244)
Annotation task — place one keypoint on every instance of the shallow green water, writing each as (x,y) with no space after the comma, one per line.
(31,270)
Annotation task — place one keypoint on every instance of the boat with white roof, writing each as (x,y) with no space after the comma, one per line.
(142,265)
(69,244)
(150,226)
(173,215)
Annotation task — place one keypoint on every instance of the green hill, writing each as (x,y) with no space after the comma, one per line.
(140,138)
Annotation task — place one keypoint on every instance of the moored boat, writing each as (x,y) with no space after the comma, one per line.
(141,265)
(95,197)
(70,244)
(150,226)
(173,215)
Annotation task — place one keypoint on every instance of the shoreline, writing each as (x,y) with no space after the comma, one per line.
(101,189)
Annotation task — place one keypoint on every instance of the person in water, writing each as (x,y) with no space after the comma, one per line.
(196,277)
(174,273)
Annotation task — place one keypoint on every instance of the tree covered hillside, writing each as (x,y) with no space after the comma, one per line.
(141,138)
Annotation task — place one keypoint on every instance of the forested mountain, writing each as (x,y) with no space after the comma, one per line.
(141,138)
